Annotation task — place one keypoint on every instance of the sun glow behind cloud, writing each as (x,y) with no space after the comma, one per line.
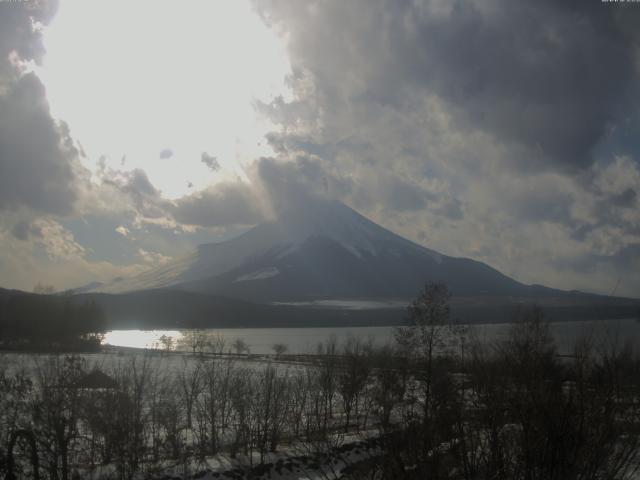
(134,79)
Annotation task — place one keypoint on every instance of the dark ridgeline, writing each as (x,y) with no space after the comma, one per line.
(436,404)
(49,322)
(170,308)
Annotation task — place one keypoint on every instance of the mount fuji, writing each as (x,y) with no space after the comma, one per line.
(321,250)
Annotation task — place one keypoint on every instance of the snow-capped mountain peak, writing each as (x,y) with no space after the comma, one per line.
(321,249)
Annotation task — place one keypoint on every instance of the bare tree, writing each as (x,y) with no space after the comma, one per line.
(190,381)
(241,394)
(301,384)
(165,342)
(427,334)
(391,378)
(240,346)
(196,341)
(279,349)
(270,408)
(215,401)
(129,414)
(56,411)
(16,390)
(327,368)
(216,344)
(353,376)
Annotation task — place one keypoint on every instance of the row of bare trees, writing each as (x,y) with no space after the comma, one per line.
(440,404)
(141,413)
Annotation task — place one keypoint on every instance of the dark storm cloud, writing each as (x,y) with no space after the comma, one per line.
(18,35)
(37,155)
(222,205)
(625,199)
(548,76)
(210,161)
(288,186)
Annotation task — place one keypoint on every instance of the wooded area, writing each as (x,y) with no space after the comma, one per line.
(49,323)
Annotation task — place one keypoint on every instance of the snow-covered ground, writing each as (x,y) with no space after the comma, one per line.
(291,463)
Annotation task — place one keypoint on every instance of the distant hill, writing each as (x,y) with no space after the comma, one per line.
(49,322)
(169,308)
(166,308)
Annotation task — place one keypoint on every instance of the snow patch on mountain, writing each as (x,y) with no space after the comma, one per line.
(259,274)
(287,251)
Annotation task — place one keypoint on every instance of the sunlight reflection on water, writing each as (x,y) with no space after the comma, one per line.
(141,338)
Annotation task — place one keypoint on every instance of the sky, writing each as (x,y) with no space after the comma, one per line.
(504,131)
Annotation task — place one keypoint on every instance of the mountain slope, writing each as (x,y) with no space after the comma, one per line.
(324,250)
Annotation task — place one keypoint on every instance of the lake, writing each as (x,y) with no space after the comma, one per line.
(305,340)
